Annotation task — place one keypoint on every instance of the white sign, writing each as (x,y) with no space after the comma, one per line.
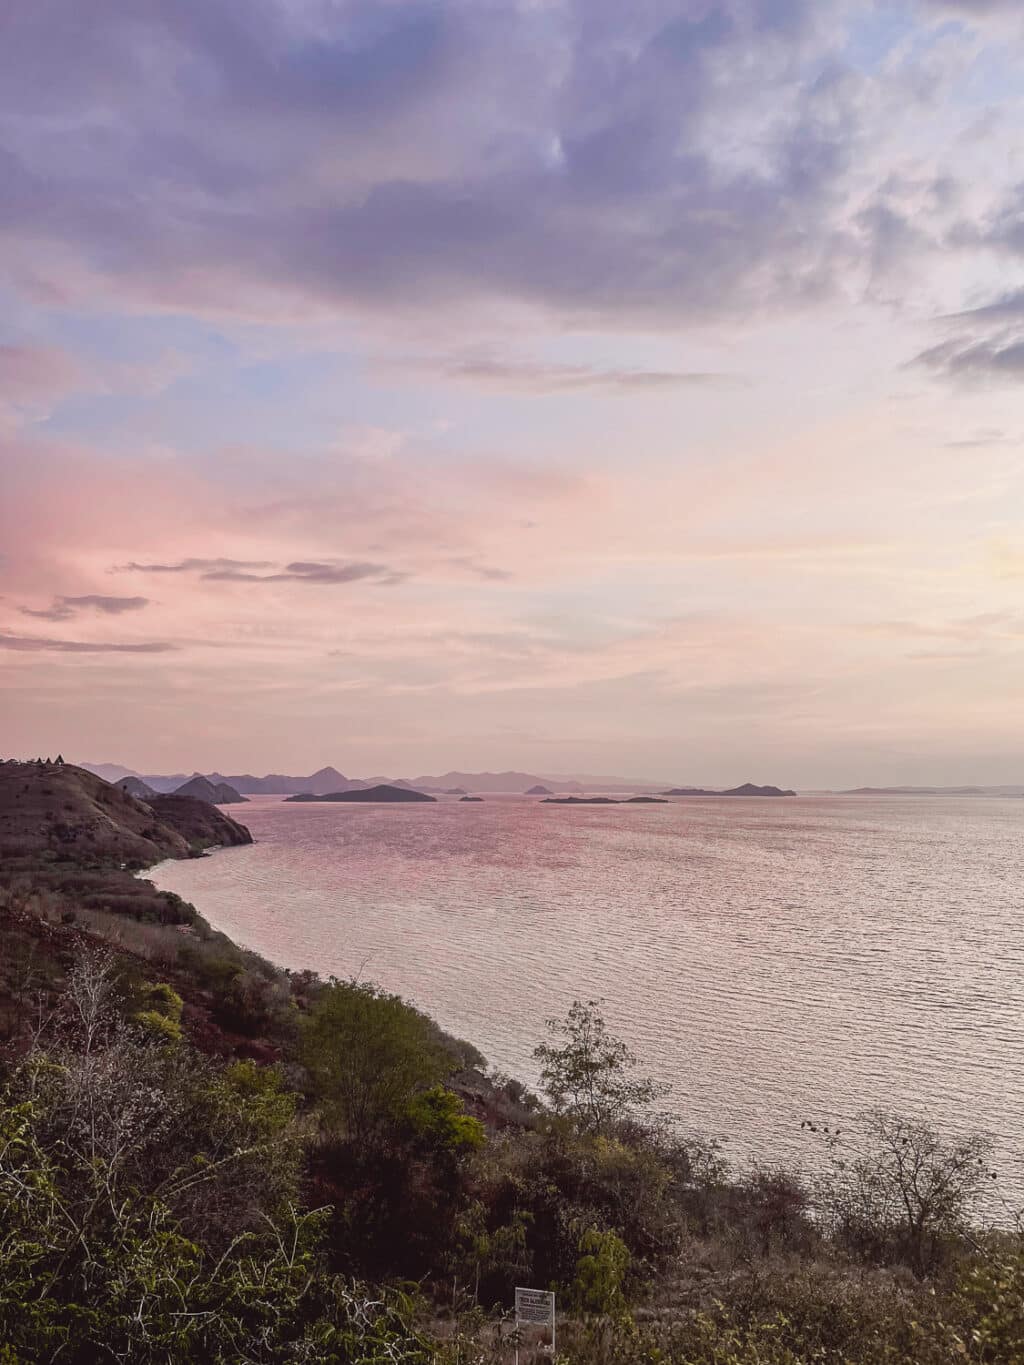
(536,1308)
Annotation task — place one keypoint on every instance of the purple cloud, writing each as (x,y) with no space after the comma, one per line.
(204,566)
(966,358)
(311,572)
(64,608)
(248,571)
(210,173)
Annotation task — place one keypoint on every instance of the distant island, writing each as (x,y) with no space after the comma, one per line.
(470,798)
(539,791)
(748,789)
(604,801)
(368,794)
(932,791)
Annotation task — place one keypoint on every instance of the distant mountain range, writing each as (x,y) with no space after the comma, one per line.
(328,780)
(214,793)
(932,791)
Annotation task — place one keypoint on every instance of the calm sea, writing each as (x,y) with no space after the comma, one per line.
(771,960)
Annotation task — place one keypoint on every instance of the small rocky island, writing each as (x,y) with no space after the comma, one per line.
(539,791)
(383,793)
(470,798)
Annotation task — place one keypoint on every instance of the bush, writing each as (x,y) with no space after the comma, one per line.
(368,1054)
(898,1191)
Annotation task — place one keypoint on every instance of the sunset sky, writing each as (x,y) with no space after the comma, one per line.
(572,385)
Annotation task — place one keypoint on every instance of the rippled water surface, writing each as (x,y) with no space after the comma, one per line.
(771,960)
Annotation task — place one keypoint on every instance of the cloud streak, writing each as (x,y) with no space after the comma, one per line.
(64,608)
(203,566)
(39,644)
(540,378)
(245,571)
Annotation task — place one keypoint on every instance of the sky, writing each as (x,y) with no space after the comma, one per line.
(566,385)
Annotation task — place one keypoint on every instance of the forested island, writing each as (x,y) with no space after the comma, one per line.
(206,1158)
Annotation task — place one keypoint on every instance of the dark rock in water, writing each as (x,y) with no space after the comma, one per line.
(470,798)
(646,801)
(539,791)
(369,794)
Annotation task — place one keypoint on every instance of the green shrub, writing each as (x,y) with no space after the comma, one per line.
(368,1054)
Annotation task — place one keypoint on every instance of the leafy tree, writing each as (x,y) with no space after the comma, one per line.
(600,1273)
(368,1054)
(589,1073)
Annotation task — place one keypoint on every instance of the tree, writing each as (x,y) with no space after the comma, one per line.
(590,1076)
(901,1190)
(600,1274)
(368,1054)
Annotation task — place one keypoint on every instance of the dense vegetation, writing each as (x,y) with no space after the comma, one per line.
(203,1158)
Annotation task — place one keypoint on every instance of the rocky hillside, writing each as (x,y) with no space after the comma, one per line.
(198,822)
(53,814)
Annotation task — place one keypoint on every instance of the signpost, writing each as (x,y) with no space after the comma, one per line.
(536,1308)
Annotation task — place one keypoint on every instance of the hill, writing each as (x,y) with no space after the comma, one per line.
(199,822)
(217,794)
(135,786)
(58,814)
(382,793)
(54,815)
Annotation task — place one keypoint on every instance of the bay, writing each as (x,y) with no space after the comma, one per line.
(770,960)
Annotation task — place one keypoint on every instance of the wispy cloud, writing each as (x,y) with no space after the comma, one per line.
(202,566)
(488,572)
(297,571)
(37,644)
(64,608)
(998,359)
(543,378)
(312,572)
